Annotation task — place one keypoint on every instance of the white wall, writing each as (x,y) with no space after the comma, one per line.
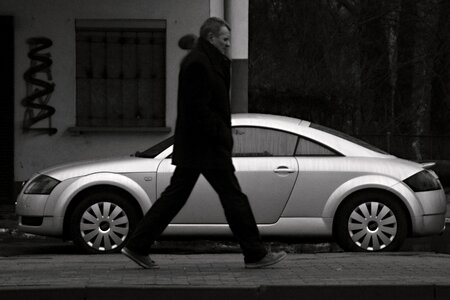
(55,19)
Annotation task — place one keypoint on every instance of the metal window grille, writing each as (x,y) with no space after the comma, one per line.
(121,73)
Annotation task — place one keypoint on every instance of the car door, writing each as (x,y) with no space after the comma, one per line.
(266,169)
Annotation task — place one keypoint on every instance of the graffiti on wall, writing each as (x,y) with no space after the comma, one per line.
(39,87)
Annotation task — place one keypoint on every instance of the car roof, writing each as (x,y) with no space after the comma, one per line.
(298,126)
(275,121)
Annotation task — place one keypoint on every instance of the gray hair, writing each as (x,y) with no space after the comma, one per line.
(212,25)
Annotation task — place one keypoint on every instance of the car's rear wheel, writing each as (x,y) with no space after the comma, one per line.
(371,221)
(102,222)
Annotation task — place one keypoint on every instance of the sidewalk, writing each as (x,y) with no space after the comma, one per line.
(305,274)
(222,276)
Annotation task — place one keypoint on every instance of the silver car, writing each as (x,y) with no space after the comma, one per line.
(303,180)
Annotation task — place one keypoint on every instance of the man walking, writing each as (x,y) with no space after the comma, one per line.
(203,145)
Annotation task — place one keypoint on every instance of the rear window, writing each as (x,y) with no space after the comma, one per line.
(347,137)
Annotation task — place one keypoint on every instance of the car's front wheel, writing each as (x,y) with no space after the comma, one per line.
(371,221)
(102,222)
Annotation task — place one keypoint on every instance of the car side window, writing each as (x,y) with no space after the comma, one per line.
(257,142)
(307,147)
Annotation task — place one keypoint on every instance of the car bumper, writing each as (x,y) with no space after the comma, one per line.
(47,226)
(432,219)
(30,210)
(429,225)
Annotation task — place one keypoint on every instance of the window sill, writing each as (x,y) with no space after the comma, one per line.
(80,130)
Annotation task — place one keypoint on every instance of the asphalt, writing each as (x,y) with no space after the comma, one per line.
(40,268)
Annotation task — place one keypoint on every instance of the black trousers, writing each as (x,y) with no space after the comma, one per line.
(234,202)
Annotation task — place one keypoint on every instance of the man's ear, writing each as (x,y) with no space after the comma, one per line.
(210,37)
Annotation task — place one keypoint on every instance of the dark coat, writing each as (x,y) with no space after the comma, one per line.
(203,137)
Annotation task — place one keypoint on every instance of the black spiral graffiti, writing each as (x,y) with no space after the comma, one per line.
(42,90)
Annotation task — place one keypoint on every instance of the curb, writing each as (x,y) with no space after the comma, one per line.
(312,292)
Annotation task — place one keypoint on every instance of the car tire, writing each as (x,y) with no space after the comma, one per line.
(102,222)
(371,222)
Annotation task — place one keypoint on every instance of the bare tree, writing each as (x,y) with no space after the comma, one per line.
(366,67)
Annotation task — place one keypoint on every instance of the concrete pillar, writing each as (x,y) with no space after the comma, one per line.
(217,8)
(236,14)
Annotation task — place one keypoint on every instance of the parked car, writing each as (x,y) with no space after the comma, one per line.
(302,180)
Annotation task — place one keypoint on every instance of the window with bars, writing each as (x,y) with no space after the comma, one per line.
(120,73)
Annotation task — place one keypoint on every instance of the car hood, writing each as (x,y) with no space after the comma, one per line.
(125,164)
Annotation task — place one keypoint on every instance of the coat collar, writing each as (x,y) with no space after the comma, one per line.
(212,52)
(220,63)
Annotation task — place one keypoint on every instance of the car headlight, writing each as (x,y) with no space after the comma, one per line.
(423,181)
(41,185)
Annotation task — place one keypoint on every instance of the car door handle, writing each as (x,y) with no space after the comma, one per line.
(283,170)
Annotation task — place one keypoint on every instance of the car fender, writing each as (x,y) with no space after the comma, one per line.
(372,182)
(118,180)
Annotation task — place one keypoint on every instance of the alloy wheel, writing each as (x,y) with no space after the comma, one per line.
(104,226)
(372,226)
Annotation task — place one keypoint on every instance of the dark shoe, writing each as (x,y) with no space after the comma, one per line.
(142,260)
(270,259)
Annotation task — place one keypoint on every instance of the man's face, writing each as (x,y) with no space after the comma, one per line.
(222,40)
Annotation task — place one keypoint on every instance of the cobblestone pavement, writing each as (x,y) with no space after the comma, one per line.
(225,270)
(336,276)
(55,270)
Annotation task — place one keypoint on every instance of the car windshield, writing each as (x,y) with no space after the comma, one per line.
(152,152)
(347,137)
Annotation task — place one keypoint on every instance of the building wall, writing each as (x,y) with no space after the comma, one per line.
(55,19)
(7,101)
